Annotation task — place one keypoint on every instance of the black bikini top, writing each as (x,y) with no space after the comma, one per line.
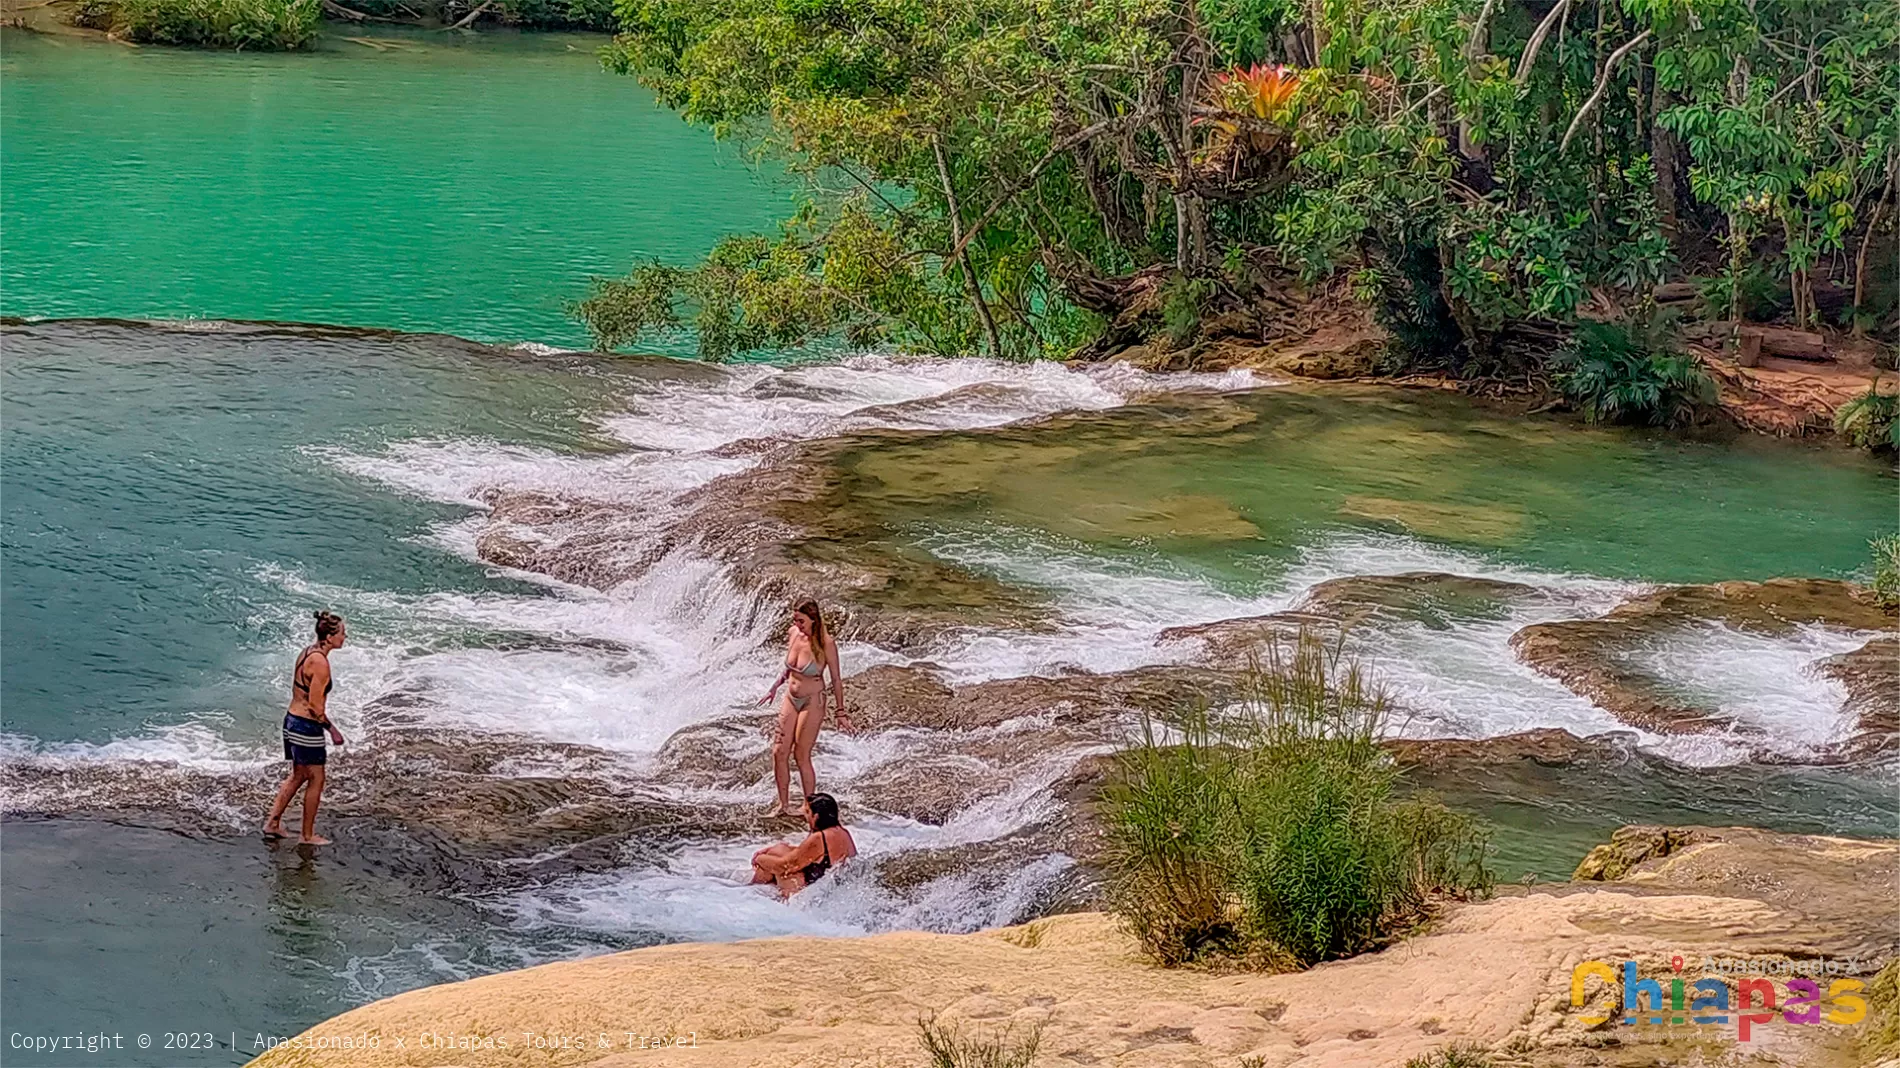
(298,682)
(816,869)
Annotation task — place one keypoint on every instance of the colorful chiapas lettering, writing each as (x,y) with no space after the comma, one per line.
(1708,1001)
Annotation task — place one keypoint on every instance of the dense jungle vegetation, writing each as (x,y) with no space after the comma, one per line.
(1030,178)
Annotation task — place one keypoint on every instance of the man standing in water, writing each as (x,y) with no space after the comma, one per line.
(304,727)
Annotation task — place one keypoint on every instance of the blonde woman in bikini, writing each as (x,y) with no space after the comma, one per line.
(809,654)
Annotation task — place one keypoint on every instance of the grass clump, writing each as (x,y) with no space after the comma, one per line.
(954,1045)
(258,25)
(1886,570)
(1620,374)
(1459,1055)
(1267,834)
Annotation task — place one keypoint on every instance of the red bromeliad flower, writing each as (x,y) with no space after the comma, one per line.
(1260,90)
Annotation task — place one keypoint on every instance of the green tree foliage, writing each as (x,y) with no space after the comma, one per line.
(1014,176)
(1269,832)
(560,14)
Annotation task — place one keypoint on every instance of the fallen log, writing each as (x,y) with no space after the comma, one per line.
(1677,292)
(1793,344)
(471,16)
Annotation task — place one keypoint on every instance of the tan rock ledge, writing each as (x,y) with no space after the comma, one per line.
(1494,974)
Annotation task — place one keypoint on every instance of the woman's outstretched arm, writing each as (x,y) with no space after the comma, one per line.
(776,683)
(837,684)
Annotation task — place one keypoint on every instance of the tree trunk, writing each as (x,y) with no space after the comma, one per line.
(963,253)
(1188,237)
(1478,44)
(1860,258)
(1197,219)
(1798,288)
(1737,255)
(1666,154)
(1183,236)
(1320,36)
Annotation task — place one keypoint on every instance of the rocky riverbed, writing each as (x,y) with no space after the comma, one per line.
(557,645)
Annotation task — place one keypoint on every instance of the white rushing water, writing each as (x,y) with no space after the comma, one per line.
(624,669)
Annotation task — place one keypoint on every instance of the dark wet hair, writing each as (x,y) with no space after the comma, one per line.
(328,623)
(824,810)
(809,608)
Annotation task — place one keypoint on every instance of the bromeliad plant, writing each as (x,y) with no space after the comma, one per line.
(1248,116)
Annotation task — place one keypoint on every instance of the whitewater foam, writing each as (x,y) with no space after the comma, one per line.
(1768,686)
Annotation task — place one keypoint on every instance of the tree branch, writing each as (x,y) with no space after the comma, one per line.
(1015,189)
(963,252)
(871,189)
(1476,45)
(1603,83)
(1537,40)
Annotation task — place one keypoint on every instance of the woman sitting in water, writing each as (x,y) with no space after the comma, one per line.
(809,653)
(794,867)
(304,727)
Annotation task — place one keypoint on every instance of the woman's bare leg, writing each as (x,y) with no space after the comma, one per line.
(312,797)
(790,883)
(275,824)
(806,737)
(782,754)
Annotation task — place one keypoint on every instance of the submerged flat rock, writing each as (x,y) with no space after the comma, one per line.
(1433,598)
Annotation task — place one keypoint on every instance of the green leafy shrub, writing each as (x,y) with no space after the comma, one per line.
(1761,296)
(595,15)
(259,25)
(1407,297)
(1267,833)
(824,278)
(952,1046)
(1182,301)
(1887,569)
(1616,374)
(1871,420)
